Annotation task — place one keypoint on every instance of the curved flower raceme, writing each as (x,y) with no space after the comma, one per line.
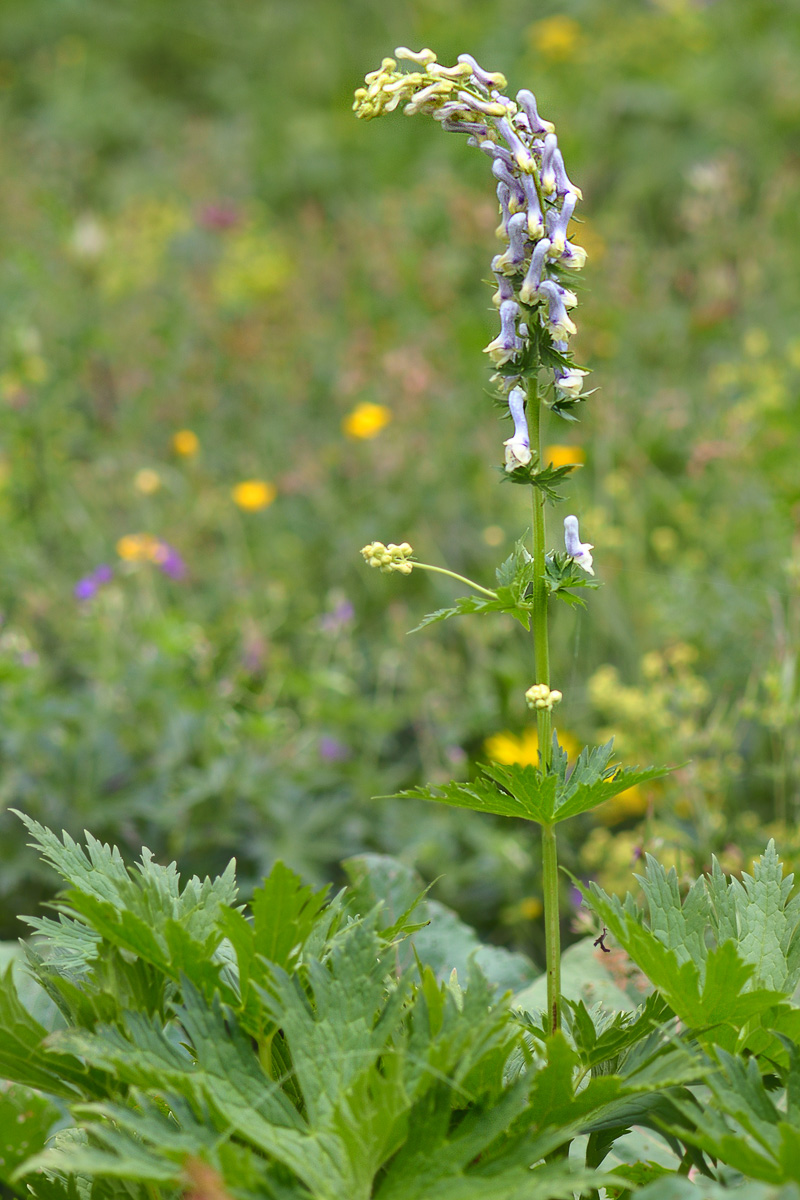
(535,194)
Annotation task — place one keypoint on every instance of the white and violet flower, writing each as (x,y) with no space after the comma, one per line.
(536,196)
(580,551)
(518,447)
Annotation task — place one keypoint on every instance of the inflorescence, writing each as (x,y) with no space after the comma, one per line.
(537,201)
(389,558)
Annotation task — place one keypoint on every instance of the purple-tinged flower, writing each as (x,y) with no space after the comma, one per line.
(518,447)
(569,380)
(338,618)
(558,322)
(509,260)
(557,223)
(332,750)
(530,284)
(170,562)
(85,588)
(219,216)
(488,79)
(580,551)
(507,343)
(527,102)
(505,288)
(88,587)
(495,151)
(516,192)
(574,257)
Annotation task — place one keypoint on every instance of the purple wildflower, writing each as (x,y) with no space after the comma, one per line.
(219,216)
(88,587)
(338,618)
(332,750)
(170,562)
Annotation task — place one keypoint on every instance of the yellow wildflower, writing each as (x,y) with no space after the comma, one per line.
(366,420)
(530,907)
(523,748)
(628,804)
(564,456)
(147,481)
(139,547)
(556,38)
(185,443)
(254,494)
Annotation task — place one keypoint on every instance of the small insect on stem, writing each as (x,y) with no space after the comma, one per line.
(601,941)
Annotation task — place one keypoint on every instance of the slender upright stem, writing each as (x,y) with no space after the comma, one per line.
(541,645)
(541,648)
(552,931)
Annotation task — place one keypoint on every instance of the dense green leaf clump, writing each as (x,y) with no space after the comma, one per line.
(316,1046)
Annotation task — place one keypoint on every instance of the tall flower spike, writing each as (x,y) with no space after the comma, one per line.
(536,196)
(580,551)
(518,447)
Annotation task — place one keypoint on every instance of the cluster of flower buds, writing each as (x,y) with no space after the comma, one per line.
(536,197)
(540,696)
(389,558)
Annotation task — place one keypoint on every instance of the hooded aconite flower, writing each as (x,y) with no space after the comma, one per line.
(536,196)
(518,447)
(580,551)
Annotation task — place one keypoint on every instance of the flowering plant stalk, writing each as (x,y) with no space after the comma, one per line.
(535,372)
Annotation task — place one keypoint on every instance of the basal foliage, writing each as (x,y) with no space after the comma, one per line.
(290,1050)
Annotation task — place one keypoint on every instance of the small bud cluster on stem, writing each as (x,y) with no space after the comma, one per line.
(389,558)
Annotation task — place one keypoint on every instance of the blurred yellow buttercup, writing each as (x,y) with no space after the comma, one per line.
(185,443)
(564,456)
(254,494)
(138,547)
(523,749)
(556,37)
(366,420)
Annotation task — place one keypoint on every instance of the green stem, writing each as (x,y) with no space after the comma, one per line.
(552,932)
(541,646)
(461,578)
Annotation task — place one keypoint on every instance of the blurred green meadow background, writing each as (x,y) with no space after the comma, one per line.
(241,336)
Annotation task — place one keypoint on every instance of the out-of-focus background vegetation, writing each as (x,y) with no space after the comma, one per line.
(241,337)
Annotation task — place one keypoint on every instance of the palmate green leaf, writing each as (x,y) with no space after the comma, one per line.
(758,913)
(437,936)
(505,603)
(741,1124)
(26,1120)
(151,892)
(26,1060)
(722,996)
(524,791)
